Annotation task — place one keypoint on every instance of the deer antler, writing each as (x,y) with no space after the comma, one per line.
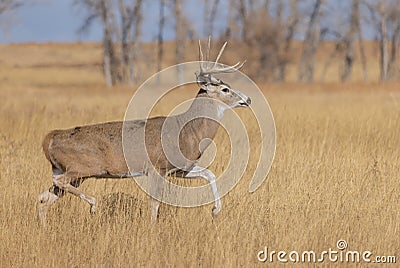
(215,68)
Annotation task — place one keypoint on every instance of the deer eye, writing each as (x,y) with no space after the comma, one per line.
(225,90)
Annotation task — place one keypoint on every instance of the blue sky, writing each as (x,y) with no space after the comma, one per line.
(59,21)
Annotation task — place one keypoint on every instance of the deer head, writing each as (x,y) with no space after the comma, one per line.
(212,87)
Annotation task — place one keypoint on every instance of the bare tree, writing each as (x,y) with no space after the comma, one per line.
(310,44)
(349,41)
(264,35)
(103,10)
(6,8)
(126,24)
(206,11)
(243,19)
(384,17)
(160,36)
(394,23)
(179,37)
(211,19)
(346,43)
(272,27)
(131,16)
(134,72)
(363,57)
(8,5)
(346,31)
(231,20)
(290,30)
(384,60)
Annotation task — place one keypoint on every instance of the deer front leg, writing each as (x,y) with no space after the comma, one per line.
(210,177)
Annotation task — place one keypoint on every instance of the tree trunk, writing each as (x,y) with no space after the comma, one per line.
(310,45)
(279,31)
(263,42)
(349,40)
(243,19)
(362,54)
(160,40)
(134,72)
(383,44)
(107,63)
(231,20)
(108,46)
(125,29)
(10,5)
(179,39)
(291,31)
(267,6)
(393,71)
(398,60)
(211,19)
(330,60)
(206,17)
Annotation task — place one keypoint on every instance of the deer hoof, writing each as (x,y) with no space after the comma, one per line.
(93,209)
(93,206)
(215,211)
(217,208)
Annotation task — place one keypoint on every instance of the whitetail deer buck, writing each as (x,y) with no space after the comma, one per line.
(97,150)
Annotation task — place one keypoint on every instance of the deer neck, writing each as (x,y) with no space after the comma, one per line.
(196,128)
(203,117)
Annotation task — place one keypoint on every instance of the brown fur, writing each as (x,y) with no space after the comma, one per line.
(157,145)
(96,150)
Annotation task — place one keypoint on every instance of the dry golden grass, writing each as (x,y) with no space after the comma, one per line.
(335,176)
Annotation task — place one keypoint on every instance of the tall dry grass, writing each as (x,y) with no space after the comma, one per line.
(335,176)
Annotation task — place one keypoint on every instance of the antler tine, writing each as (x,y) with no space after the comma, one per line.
(208,48)
(238,65)
(229,69)
(201,56)
(200,52)
(219,55)
(215,69)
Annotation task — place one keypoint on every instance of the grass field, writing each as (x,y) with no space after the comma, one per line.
(335,175)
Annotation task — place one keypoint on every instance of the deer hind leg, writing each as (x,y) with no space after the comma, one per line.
(67,182)
(49,197)
(156,186)
(210,177)
(46,199)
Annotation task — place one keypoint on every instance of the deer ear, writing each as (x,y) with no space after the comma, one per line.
(203,79)
(203,85)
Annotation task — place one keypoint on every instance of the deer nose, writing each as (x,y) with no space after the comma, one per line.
(248,101)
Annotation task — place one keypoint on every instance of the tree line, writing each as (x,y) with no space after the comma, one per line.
(269,28)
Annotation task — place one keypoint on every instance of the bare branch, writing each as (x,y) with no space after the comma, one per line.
(8,5)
